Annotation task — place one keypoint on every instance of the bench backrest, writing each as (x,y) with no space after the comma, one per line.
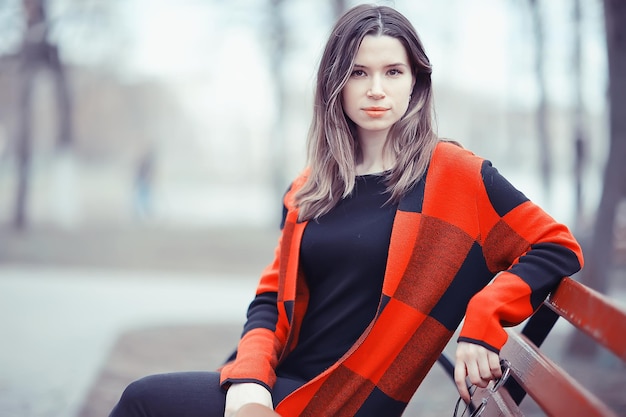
(533,373)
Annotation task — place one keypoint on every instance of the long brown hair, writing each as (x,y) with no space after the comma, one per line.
(332,146)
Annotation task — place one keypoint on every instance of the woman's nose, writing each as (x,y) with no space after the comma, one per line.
(376,90)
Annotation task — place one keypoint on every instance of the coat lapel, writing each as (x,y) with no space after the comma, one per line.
(404,234)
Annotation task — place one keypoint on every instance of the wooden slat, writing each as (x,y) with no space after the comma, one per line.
(592,313)
(556,393)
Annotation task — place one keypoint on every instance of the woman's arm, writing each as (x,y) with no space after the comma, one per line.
(262,340)
(251,369)
(531,253)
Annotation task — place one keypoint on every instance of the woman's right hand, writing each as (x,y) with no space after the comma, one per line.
(241,394)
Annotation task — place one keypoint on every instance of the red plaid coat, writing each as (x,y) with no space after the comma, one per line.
(453,233)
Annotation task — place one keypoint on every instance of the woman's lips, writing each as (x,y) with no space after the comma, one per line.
(375,112)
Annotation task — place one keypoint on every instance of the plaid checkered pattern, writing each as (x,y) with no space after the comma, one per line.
(453,233)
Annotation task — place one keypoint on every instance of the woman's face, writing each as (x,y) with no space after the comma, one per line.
(378,91)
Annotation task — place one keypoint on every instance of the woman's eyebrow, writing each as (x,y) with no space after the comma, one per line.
(397,64)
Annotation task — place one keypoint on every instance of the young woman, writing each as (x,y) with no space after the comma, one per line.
(390,237)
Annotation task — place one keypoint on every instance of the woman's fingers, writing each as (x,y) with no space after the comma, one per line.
(460,373)
(478,364)
(494,364)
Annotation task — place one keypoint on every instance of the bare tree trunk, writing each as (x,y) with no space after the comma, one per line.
(277,52)
(580,142)
(24,140)
(30,57)
(63,98)
(545,151)
(600,251)
(37,53)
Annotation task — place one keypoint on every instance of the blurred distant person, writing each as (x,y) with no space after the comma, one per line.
(143,183)
(389,238)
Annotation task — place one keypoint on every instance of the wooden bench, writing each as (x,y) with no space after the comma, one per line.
(531,372)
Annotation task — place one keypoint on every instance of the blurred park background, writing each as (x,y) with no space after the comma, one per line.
(145,144)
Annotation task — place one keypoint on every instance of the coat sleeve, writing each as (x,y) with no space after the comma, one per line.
(263,339)
(528,250)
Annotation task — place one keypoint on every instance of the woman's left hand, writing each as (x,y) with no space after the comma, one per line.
(476,362)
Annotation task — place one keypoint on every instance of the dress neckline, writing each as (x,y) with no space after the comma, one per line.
(374,174)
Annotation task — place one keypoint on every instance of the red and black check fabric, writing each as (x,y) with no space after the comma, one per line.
(460,227)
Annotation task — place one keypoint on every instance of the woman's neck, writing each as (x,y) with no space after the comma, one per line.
(373,158)
(373,168)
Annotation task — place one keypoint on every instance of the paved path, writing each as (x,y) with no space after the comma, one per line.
(57,326)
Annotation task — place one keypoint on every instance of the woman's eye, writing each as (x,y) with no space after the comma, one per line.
(394,71)
(358,73)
